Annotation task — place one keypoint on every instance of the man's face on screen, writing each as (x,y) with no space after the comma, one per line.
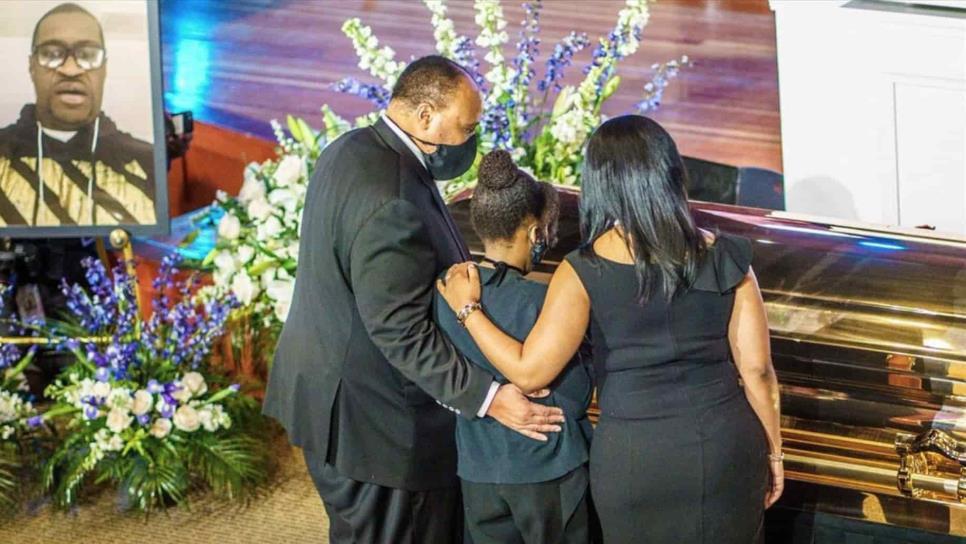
(69,95)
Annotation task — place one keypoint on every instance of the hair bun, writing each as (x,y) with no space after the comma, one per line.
(497,170)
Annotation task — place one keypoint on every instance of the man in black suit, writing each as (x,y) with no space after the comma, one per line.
(363,380)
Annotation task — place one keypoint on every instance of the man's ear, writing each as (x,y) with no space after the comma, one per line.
(424,114)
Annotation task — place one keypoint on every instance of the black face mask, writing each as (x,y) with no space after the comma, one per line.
(537,252)
(448,161)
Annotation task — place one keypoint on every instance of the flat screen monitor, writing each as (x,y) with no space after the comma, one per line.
(82,146)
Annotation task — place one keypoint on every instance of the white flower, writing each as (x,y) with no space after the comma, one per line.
(268,228)
(289,171)
(161,427)
(243,288)
(229,227)
(118,420)
(143,402)
(186,419)
(281,309)
(292,250)
(225,263)
(101,390)
(565,128)
(120,398)
(114,443)
(259,209)
(221,196)
(286,198)
(281,290)
(268,276)
(208,420)
(244,254)
(252,188)
(195,383)
(182,393)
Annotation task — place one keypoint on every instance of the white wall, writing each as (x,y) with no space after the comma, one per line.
(873,110)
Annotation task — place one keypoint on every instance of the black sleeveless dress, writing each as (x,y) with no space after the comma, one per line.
(679,455)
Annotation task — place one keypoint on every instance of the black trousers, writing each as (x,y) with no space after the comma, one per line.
(367,513)
(538,513)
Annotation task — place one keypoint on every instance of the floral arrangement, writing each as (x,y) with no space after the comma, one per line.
(139,406)
(18,417)
(256,255)
(541,121)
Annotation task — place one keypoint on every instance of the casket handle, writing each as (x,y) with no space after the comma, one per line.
(913,462)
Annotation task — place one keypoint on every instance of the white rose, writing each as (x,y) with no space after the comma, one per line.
(289,171)
(143,402)
(101,390)
(243,288)
(269,228)
(161,427)
(208,419)
(195,383)
(259,209)
(252,188)
(118,420)
(229,227)
(186,419)
(182,393)
(245,254)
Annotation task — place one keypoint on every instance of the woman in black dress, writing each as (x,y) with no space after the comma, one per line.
(683,452)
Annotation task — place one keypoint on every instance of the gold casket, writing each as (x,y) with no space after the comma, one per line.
(868,330)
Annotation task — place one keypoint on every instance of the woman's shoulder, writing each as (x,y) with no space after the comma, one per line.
(725,264)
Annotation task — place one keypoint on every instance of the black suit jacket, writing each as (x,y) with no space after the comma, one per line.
(360,362)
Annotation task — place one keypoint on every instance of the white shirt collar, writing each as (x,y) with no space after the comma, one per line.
(405,139)
(62,135)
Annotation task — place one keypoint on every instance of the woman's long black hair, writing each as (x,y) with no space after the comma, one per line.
(633,176)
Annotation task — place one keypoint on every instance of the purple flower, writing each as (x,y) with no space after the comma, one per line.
(102,374)
(464,54)
(377,94)
(90,412)
(154,387)
(167,410)
(561,58)
(144,419)
(35,421)
(235,387)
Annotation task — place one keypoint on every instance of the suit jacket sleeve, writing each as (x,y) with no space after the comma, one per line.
(392,270)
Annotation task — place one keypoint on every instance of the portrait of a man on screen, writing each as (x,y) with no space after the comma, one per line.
(65,162)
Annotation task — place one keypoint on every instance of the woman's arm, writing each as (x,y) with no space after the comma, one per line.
(552,343)
(751,349)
